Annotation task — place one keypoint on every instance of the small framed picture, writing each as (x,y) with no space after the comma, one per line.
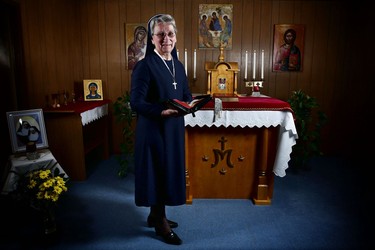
(93,90)
(27,126)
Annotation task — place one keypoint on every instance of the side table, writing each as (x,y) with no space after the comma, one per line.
(19,165)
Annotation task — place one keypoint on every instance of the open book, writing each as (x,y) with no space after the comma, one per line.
(189,108)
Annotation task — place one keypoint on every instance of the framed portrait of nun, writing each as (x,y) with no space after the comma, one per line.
(25,127)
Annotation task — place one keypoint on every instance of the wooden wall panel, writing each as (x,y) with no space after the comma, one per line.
(235,55)
(66,41)
(271,78)
(32,46)
(182,14)
(244,35)
(319,65)
(307,18)
(104,43)
(266,41)
(84,21)
(334,40)
(94,37)
(116,64)
(51,37)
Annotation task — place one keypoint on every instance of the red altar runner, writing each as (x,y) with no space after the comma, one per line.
(253,103)
(78,107)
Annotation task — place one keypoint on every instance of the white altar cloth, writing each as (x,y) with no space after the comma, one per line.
(94,114)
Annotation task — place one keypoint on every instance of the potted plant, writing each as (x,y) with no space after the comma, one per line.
(309,121)
(125,115)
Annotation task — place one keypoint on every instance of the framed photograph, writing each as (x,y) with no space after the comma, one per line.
(27,126)
(288,47)
(215,26)
(93,90)
(136,41)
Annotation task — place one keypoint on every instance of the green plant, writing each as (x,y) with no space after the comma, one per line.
(309,121)
(124,115)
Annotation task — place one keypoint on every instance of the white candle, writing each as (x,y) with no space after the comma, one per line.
(186,62)
(254,62)
(246,58)
(178,54)
(262,66)
(195,63)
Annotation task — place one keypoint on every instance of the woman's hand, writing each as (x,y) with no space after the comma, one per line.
(169,112)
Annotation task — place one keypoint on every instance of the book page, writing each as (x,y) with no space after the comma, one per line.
(186,105)
(195,101)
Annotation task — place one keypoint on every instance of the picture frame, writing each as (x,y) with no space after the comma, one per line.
(26,126)
(288,47)
(215,26)
(93,90)
(136,41)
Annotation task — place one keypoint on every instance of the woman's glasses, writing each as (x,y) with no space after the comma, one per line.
(161,35)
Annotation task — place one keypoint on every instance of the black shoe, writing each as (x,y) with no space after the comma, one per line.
(151,222)
(170,238)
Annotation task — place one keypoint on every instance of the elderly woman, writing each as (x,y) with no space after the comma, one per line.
(160,138)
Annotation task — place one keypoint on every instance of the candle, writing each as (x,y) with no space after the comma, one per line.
(186,62)
(178,54)
(195,63)
(262,66)
(254,62)
(246,58)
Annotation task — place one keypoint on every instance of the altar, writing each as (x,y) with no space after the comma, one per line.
(236,154)
(75,131)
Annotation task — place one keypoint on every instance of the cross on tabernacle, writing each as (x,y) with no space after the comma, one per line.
(222,142)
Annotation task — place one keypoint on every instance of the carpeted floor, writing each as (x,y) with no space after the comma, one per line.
(323,207)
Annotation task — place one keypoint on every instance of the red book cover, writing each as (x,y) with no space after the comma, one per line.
(189,108)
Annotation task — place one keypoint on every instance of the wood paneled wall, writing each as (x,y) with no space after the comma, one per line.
(66,41)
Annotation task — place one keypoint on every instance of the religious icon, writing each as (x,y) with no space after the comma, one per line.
(222,83)
(288,47)
(136,41)
(93,90)
(215,25)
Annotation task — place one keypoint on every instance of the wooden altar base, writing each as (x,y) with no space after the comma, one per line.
(230,163)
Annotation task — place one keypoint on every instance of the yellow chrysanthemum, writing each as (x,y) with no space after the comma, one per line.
(48,183)
(40,195)
(32,184)
(44,174)
(57,189)
(55,198)
(44,186)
